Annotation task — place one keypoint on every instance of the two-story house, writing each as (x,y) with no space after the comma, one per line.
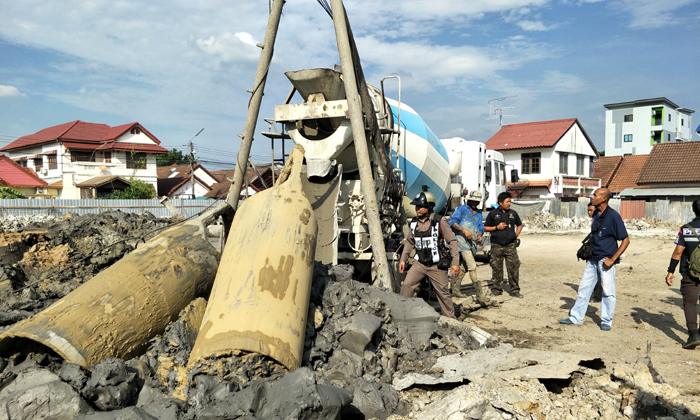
(553,158)
(86,160)
(633,128)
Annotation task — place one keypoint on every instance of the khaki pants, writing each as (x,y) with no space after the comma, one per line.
(469,260)
(438,278)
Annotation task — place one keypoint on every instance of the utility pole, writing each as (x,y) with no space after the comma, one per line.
(192,163)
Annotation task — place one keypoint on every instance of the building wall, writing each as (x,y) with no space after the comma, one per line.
(573,142)
(673,124)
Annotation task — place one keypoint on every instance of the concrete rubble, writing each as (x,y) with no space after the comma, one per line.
(368,354)
(547,221)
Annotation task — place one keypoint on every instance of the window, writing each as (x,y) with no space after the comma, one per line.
(563,163)
(38,163)
(579,164)
(135,160)
(591,167)
(108,157)
(628,138)
(629,118)
(82,157)
(668,137)
(135,131)
(22,163)
(682,120)
(530,163)
(669,117)
(51,159)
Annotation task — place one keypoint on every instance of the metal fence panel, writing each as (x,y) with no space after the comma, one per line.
(58,207)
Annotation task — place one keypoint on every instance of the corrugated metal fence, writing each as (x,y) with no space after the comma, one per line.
(23,207)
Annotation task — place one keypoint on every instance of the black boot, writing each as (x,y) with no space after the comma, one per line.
(693,340)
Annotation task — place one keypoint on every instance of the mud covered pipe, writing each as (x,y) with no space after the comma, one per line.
(260,297)
(121,308)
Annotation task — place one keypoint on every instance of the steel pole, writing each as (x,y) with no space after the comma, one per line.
(380,269)
(254,105)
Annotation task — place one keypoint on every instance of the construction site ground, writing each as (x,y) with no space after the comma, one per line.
(647,309)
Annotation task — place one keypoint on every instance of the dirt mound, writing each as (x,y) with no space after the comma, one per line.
(56,255)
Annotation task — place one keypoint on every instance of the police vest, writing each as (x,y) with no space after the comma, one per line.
(426,242)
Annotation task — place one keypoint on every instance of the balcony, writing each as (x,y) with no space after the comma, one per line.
(574,186)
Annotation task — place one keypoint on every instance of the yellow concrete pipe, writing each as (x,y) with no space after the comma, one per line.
(260,297)
(122,307)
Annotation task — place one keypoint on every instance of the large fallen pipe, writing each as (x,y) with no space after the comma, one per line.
(260,297)
(121,308)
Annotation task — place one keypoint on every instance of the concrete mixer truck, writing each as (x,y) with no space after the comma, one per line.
(419,160)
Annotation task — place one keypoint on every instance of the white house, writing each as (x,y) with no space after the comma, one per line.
(175,181)
(86,160)
(552,158)
(633,128)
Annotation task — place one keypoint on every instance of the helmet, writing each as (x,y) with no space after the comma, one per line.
(424,199)
(474,196)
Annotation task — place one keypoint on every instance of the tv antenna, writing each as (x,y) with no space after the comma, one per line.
(496,110)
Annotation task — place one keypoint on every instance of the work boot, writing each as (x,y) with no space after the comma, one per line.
(482,292)
(455,283)
(693,340)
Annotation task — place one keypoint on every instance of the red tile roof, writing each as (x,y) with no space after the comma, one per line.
(529,135)
(605,168)
(15,176)
(77,131)
(670,163)
(628,172)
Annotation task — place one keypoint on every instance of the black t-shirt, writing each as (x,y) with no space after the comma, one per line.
(688,241)
(506,236)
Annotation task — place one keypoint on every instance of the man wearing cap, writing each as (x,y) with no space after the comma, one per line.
(468,223)
(426,230)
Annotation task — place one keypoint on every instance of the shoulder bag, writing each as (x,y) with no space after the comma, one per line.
(586,250)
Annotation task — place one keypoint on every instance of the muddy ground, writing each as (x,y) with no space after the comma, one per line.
(647,309)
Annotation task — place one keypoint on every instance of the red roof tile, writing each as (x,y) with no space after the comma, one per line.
(17,176)
(670,163)
(605,168)
(77,131)
(628,172)
(528,135)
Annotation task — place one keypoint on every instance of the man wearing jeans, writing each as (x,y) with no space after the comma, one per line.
(601,266)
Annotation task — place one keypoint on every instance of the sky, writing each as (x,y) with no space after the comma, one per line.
(178,67)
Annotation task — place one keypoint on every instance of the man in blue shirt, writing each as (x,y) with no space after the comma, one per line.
(467,222)
(601,266)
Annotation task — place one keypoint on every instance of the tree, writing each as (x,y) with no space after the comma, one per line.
(138,190)
(9,192)
(173,156)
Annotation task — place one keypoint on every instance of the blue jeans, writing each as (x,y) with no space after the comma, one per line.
(593,273)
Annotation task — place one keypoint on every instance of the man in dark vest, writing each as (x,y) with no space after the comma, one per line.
(426,229)
(686,243)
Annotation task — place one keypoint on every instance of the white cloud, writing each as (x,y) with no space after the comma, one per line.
(651,14)
(9,91)
(228,47)
(529,25)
